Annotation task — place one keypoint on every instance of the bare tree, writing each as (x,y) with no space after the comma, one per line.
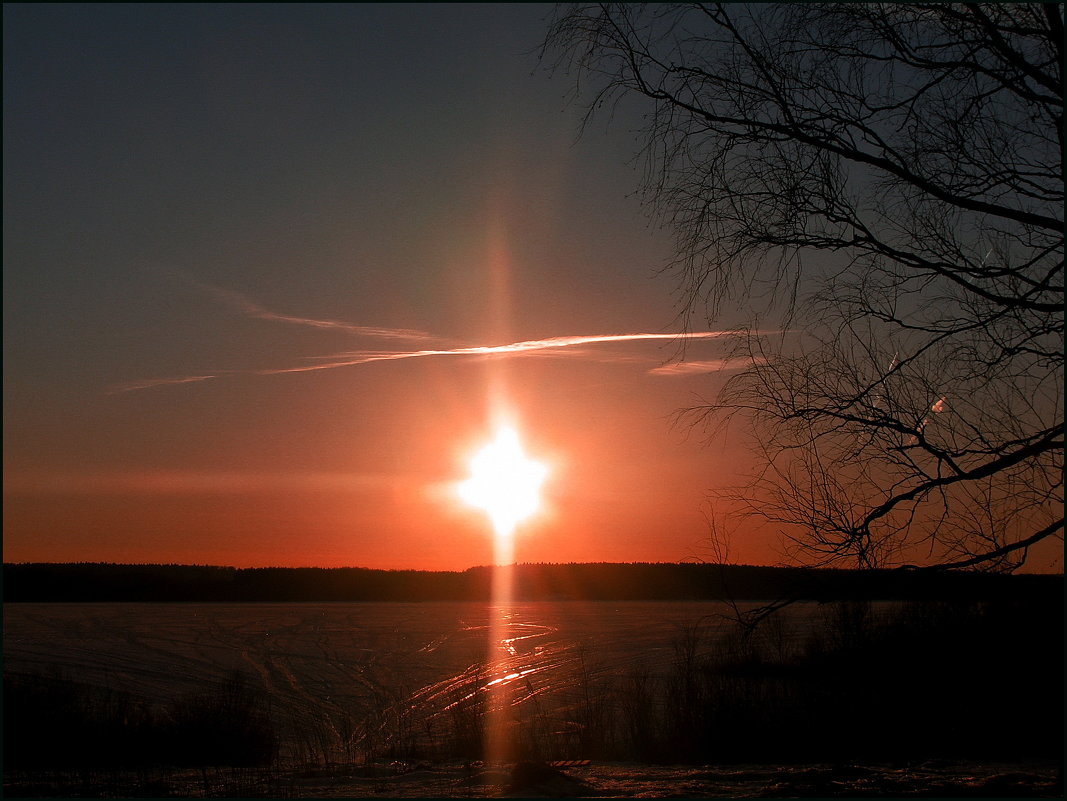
(889,178)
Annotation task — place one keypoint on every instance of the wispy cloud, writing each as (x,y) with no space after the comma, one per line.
(149,383)
(510,349)
(250,308)
(704,366)
(577,345)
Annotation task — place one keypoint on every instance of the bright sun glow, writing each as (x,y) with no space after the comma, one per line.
(504,482)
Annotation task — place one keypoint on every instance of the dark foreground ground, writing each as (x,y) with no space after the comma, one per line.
(631,780)
(934,779)
(945,700)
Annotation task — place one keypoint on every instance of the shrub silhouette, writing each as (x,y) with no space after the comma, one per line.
(229,726)
(54,726)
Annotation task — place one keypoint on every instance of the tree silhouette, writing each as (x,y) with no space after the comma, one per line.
(888,179)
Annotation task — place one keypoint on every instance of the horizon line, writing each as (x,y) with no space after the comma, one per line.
(683,563)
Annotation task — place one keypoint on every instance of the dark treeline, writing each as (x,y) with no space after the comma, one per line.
(576,581)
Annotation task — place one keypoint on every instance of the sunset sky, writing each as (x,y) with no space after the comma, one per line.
(259,266)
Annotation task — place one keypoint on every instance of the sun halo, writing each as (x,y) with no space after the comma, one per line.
(504,482)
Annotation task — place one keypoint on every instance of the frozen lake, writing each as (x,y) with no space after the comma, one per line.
(347,677)
(394,684)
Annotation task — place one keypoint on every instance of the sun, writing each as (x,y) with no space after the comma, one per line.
(504,482)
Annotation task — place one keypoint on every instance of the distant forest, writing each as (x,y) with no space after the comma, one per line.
(87,582)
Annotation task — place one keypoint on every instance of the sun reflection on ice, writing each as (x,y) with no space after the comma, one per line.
(506,484)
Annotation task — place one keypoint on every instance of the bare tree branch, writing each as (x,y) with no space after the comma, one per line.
(889,178)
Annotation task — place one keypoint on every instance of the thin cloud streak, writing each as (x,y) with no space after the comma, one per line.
(354,358)
(525,346)
(250,308)
(149,383)
(706,366)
